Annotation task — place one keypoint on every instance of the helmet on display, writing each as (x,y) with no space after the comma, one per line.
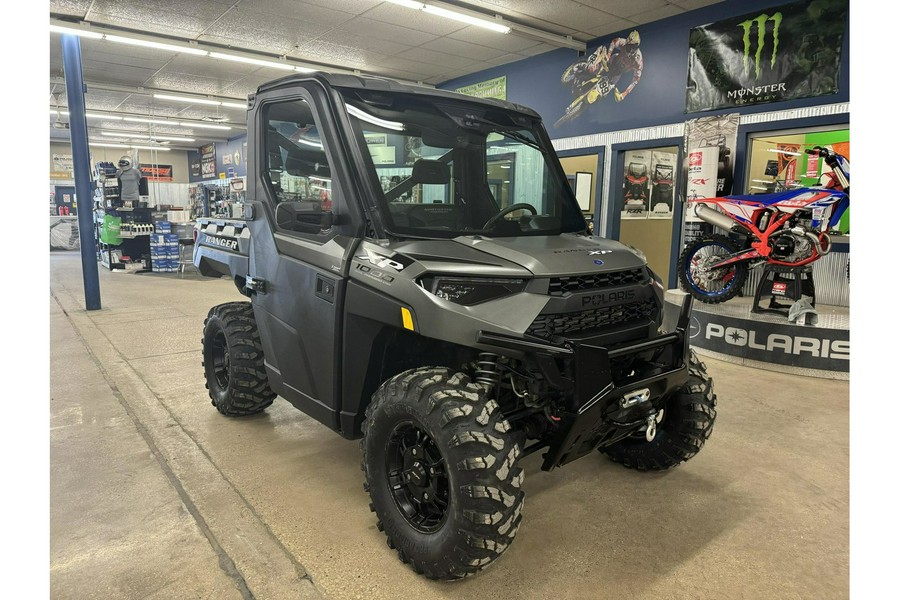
(125,163)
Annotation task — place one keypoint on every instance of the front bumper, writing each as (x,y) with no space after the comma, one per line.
(594,415)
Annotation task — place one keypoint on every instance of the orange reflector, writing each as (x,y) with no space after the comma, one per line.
(407,318)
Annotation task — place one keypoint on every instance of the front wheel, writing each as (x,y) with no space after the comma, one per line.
(685,424)
(440,465)
(233,361)
(704,283)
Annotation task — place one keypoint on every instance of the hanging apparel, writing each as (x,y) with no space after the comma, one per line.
(129,184)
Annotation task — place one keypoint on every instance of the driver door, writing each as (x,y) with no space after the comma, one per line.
(303,239)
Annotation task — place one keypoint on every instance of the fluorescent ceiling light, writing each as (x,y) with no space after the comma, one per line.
(125,135)
(408,4)
(58,112)
(452,14)
(788,152)
(151,148)
(73,31)
(761,181)
(252,61)
(359,114)
(203,126)
(109,145)
(98,116)
(158,45)
(143,120)
(756,187)
(464,18)
(190,100)
(174,139)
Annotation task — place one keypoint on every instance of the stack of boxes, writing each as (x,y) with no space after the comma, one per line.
(164,249)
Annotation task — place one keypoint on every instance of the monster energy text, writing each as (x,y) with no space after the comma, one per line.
(761,28)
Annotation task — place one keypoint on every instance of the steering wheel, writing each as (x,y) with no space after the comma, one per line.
(505,211)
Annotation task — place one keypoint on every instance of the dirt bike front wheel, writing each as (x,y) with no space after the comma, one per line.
(703,283)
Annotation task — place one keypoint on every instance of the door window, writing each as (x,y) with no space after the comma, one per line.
(296,169)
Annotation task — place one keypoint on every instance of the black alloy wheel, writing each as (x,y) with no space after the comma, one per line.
(418,478)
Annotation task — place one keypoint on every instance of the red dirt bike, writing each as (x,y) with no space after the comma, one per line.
(788,228)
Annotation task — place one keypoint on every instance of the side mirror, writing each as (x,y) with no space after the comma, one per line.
(305,217)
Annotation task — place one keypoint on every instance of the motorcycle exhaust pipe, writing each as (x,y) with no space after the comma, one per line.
(714,217)
(799,231)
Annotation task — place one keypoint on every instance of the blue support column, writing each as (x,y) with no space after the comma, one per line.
(81,164)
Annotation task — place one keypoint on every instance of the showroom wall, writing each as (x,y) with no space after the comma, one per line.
(657,99)
(221,160)
(178,159)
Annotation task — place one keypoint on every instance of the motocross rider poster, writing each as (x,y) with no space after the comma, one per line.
(636,189)
(608,75)
(779,53)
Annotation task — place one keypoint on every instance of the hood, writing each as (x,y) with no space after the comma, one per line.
(542,256)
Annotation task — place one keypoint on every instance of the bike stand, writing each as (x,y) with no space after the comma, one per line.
(790,283)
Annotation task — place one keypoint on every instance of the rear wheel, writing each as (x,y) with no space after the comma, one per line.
(711,285)
(233,361)
(440,465)
(687,422)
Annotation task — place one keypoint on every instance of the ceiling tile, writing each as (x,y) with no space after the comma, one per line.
(540,48)
(611,27)
(436,58)
(357,7)
(211,67)
(159,16)
(75,8)
(262,32)
(483,37)
(695,4)
(658,13)
(363,27)
(292,9)
(190,82)
(344,38)
(414,19)
(629,8)
(335,54)
(456,48)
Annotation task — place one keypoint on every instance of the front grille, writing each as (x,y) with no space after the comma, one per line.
(558,324)
(560,286)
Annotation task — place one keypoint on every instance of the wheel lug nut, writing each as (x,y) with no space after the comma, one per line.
(413,451)
(425,495)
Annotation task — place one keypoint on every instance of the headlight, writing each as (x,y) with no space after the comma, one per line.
(469,291)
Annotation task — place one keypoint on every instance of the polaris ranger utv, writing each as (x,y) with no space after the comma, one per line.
(403,294)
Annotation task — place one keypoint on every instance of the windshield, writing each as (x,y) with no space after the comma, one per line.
(449,168)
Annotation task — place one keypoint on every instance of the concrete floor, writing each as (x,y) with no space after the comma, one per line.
(154,494)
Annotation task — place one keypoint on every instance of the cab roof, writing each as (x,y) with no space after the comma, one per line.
(383,84)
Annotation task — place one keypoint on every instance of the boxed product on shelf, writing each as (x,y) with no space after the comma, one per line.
(163,227)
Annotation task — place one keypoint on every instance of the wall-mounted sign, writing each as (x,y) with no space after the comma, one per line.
(62,167)
(780,53)
(492,88)
(195,167)
(208,161)
(156,172)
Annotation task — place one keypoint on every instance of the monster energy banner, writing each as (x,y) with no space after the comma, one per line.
(492,88)
(782,53)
